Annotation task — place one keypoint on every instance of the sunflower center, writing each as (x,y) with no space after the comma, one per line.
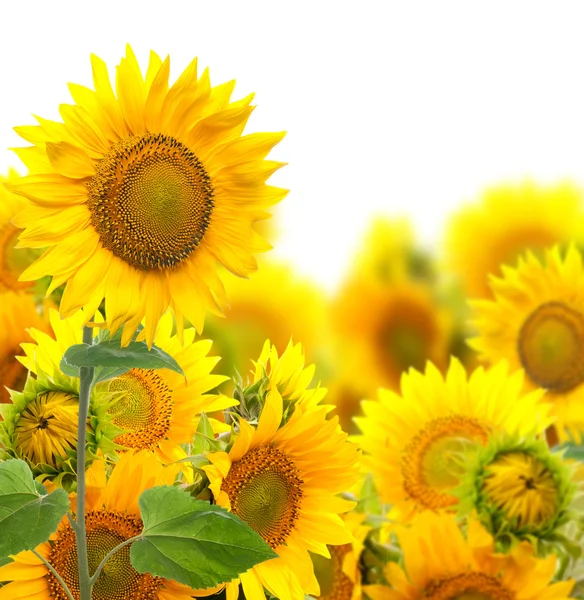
(47,428)
(144,408)
(334,584)
(265,489)
(468,586)
(550,346)
(432,461)
(150,201)
(118,579)
(523,488)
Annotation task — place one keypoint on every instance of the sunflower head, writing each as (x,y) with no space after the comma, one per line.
(518,489)
(417,443)
(509,220)
(139,193)
(536,323)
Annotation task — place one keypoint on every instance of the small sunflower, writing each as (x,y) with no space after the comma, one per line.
(518,489)
(140,193)
(383,330)
(19,313)
(159,409)
(13,261)
(39,425)
(536,323)
(415,442)
(509,220)
(340,575)
(112,516)
(266,307)
(440,563)
(284,483)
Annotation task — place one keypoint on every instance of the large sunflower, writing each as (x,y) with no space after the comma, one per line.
(40,423)
(440,563)
(536,322)
(509,220)
(383,330)
(415,441)
(159,409)
(13,261)
(112,516)
(284,484)
(140,194)
(19,313)
(267,307)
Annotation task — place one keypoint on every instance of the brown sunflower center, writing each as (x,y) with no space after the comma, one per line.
(523,488)
(12,375)
(144,408)
(551,346)
(118,579)
(468,586)
(432,462)
(47,428)
(265,489)
(150,201)
(334,583)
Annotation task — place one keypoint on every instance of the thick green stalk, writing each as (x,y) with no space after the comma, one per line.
(85,377)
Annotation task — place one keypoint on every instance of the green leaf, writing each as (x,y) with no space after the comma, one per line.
(109,354)
(205,437)
(193,542)
(27,516)
(104,373)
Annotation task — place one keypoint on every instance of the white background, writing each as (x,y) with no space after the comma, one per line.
(391,107)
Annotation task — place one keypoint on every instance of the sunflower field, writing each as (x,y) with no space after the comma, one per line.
(182,416)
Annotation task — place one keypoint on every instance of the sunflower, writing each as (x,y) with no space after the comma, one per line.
(340,575)
(509,220)
(416,442)
(18,314)
(40,423)
(284,484)
(140,195)
(12,260)
(440,563)
(112,516)
(383,330)
(536,322)
(518,489)
(159,409)
(266,307)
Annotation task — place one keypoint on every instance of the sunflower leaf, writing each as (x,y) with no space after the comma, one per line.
(204,440)
(28,515)
(193,542)
(109,354)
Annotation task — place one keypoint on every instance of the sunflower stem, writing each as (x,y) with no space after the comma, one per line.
(54,572)
(85,377)
(110,554)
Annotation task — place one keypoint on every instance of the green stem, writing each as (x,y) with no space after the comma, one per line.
(85,377)
(110,554)
(54,572)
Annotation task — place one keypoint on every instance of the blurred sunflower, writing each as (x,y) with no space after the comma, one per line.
(159,409)
(39,425)
(267,307)
(13,261)
(284,483)
(112,516)
(518,489)
(416,442)
(339,576)
(19,313)
(383,330)
(536,322)
(139,195)
(509,220)
(440,563)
